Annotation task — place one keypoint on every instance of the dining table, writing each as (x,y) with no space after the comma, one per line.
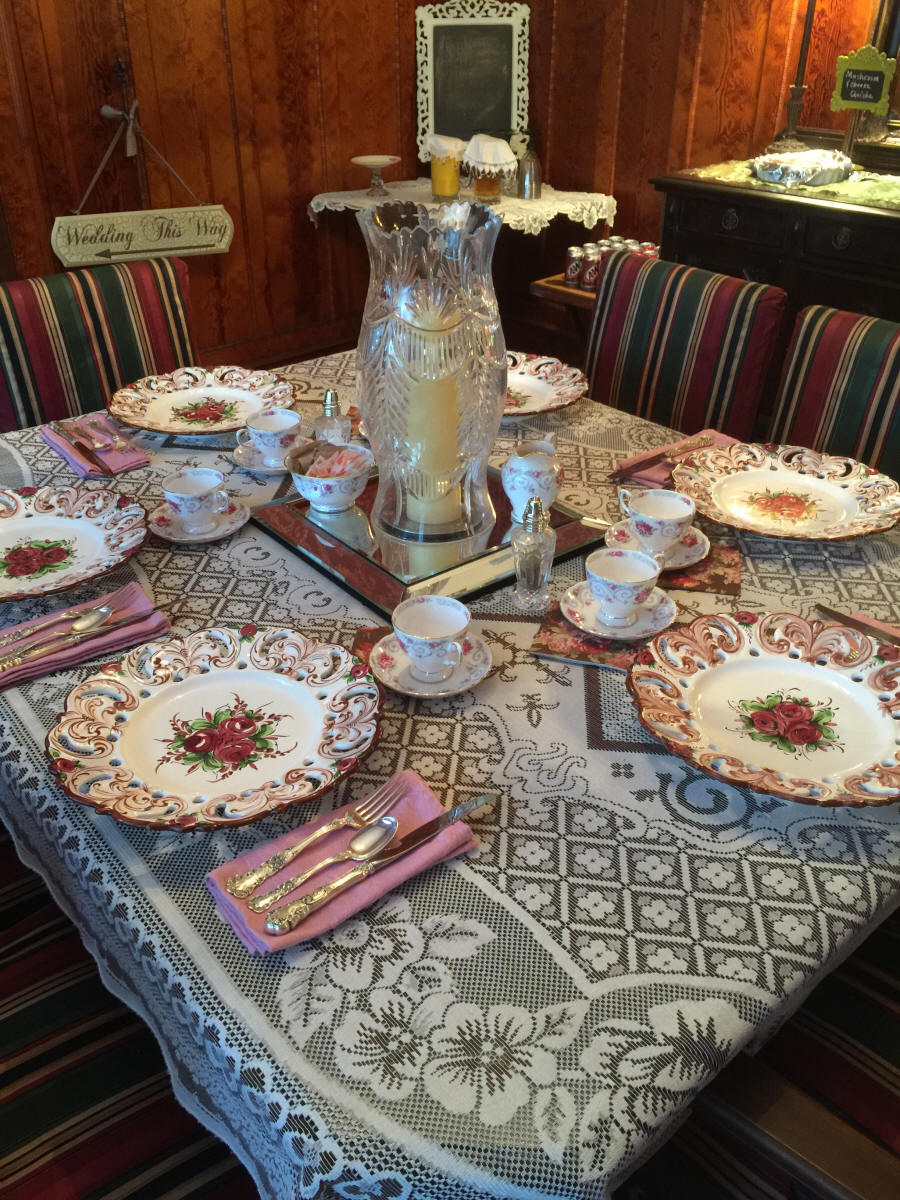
(531,1019)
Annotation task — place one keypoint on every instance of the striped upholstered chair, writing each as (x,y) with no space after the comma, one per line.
(681,346)
(68,341)
(840,387)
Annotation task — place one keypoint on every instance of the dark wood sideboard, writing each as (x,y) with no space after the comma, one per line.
(820,251)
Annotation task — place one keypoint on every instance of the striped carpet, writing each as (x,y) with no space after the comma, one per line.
(88,1112)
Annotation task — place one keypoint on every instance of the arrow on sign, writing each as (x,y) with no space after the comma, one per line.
(108,253)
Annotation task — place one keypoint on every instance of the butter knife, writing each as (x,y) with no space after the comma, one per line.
(63,641)
(669,453)
(880,635)
(80,444)
(288,916)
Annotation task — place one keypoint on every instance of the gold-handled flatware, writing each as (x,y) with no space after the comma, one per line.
(880,635)
(63,641)
(375,805)
(80,444)
(669,454)
(111,441)
(21,635)
(288,916)
(368,843)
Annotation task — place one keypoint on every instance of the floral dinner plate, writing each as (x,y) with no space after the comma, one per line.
(788,492)
(807,710)
(53,538)
(218,728)
(536,383)
(200,400)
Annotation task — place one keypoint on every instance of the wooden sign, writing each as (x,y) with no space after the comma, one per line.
(93,238)
(864,81)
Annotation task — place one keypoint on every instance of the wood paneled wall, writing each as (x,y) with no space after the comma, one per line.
(260,104)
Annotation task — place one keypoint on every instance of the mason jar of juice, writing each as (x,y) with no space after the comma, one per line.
(445,155)
(489,160)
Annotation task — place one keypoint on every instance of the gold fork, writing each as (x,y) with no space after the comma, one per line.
(375,805)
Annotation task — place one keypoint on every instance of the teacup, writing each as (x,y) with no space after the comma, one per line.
(430,628)
(273,432)
(196,496)
(621,581)
(657,518)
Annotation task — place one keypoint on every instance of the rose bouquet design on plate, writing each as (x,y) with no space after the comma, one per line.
(36,558)
(785,505)
(207,409)
(794,724)
(225,741)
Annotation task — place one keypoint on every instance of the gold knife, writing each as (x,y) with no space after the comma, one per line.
(284,919)
(880,635)
(63,641)
(79,443)
(669,452)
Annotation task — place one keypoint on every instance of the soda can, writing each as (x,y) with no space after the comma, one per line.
(574,256)
(590,271)
(616,239)
(632,244)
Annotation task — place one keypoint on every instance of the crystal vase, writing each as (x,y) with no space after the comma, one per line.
(431,368)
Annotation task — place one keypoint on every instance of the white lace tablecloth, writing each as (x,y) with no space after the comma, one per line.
(527,1023)
(528,216)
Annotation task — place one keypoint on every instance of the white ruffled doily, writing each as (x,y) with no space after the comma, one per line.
(528,216)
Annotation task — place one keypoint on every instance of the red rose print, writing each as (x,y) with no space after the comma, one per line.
(347,764)
(235,752)
(62,764)
(238,726)
(55,554)
(644,657)
(123,501)
(200,743)
(643,528)
(27,491)
(790,711)
(746,618)
(765,721)
(248,630)
(111,666)
(804,733)
(889,653)
(358,670)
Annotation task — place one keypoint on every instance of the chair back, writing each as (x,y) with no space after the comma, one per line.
(840,387)
(68,341)
(682,346)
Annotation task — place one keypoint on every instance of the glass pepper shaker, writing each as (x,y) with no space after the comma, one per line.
(331,425)
(533,544)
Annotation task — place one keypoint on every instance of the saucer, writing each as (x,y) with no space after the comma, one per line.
(654,615)
(390,665)
(692,547)
(249,458)
(165,524)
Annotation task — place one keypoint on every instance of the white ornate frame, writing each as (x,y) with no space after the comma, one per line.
(456,12)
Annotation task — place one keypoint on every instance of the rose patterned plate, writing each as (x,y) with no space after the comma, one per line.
(536,383)
(391,666)
(53,538)
(788,492)
(218,728)
(199,400)
(807,710)
(692,547)
(579,605)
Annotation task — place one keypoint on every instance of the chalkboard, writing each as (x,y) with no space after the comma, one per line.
(472,68)
(866,86)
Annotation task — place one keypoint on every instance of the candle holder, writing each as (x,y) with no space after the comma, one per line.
(431,368)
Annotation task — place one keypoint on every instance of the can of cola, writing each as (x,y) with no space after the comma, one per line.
(574,257)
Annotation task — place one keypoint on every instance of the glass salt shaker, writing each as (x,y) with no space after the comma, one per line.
(533,544)
(331,425)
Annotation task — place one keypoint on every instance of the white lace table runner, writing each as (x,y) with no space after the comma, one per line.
(528,216)
(527,1023)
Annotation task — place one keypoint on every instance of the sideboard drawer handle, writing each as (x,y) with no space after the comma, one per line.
(842,238)
(730,219)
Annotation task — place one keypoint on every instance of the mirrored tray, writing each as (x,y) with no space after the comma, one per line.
(385,571)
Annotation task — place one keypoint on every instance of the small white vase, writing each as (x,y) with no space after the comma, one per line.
(531,470)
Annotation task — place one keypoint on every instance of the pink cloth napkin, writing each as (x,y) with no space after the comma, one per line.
(416,805)
(892,629)
(660,474)
(118,461)
(130,600)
